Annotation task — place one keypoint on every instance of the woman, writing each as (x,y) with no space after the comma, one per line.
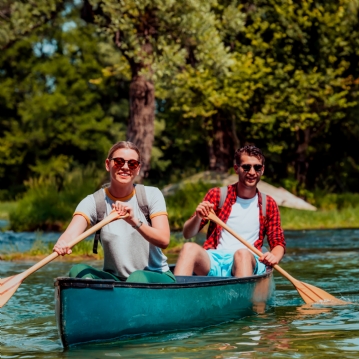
(132,247)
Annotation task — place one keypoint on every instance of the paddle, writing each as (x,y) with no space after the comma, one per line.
(308,292)
(9,285)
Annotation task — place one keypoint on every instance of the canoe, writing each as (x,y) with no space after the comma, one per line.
(102,310)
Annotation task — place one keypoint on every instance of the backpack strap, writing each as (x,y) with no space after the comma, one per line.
(100,213)
(142,202)
(264,204)
(223,196)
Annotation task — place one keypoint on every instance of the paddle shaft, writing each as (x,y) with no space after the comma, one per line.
(111,217)
(215,219)
(8,286)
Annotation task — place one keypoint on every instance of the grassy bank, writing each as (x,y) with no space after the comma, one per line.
(293,219)
(39,250)
(82,251)
(44,208)
(6,208)
(48,205)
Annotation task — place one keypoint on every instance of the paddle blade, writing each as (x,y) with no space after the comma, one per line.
(311,294)
(9,287)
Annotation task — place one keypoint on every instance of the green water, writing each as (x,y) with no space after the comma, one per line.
(326,259)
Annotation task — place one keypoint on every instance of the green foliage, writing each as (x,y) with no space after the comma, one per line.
(335,201)
(5,208)
(183,203)
(176,241)
(52,116)
(276,73)
(289,86)
(40,249)
(294,219)
(18,18)
(46,206)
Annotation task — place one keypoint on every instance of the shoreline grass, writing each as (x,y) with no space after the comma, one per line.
(294,219)
(336,211)
(6,208)
(82,251)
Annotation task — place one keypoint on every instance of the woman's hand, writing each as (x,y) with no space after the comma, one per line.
(122,209)
(62,248)
(203,209)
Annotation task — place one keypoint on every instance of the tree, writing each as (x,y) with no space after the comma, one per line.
(157,38)
(308,47)
(291,79)
(19,18)
(52,116)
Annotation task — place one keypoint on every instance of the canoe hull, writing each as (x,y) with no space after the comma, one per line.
(94,310)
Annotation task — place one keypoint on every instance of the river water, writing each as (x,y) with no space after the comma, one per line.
(326,259)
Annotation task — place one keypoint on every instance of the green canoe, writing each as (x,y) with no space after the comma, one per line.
(97,310)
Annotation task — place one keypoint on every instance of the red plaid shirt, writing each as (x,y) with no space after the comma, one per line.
(269,225)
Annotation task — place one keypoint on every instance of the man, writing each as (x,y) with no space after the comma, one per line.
(222,254)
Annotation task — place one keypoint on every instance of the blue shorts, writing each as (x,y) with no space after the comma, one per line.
(222,263)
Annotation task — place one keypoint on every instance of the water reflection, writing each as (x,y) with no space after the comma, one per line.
(289,329)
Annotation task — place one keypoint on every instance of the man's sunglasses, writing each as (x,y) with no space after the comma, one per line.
(247,168)
(120,162)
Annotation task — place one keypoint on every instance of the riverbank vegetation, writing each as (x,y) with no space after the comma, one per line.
(43,207)
(6,208)
(82,250)
(202,79)
(48,204)
(334,211)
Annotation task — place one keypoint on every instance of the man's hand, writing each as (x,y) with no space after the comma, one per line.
(203,209)
(269,259)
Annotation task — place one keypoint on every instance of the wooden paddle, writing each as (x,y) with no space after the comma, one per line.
(308,292)
(9,285)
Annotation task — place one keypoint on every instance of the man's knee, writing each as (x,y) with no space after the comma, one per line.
(243,255)
(190,249)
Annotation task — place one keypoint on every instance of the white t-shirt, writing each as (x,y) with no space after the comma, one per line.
(244,220)
(125,250)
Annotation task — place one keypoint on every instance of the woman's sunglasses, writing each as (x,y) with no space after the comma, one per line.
(247,168)
(120,162)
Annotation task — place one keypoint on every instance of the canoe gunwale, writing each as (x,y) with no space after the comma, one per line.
(194,281)
(67,285)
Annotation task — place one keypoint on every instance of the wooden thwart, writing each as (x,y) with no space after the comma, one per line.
(308,292)
(9,285)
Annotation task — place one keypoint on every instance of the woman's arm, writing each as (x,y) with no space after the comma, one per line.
(77,226)
(158,234)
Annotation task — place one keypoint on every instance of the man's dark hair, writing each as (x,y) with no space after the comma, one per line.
(249,151)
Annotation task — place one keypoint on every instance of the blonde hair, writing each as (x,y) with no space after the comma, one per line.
(124,144)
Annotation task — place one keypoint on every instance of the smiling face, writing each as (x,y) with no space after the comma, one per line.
(248,179)
(122,175)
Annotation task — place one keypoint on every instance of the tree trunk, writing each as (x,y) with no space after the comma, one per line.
(140,128)
(223,144)
(301,160)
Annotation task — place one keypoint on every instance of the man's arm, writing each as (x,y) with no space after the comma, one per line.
(275,235)
(192,225)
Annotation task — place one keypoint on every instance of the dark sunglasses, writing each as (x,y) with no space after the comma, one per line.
(247,168)
(120,162)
